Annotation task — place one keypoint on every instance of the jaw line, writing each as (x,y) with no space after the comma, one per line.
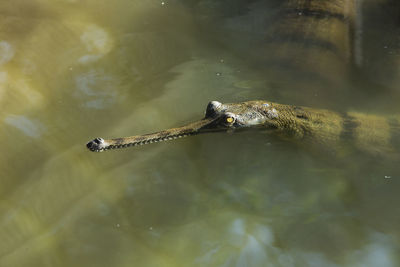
(206,125)
(199,127)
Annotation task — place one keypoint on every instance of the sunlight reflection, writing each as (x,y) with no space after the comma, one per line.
(97,43)
(27,126)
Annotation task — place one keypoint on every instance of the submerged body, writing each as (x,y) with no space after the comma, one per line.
(376,135)
(308,39)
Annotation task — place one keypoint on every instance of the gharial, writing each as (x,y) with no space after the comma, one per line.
(368,133)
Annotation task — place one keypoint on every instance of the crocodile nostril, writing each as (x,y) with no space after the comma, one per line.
(96,144)
(98,140)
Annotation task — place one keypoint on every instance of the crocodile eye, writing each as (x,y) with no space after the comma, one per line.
(230,119)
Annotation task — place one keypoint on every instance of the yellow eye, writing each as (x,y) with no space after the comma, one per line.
(229,119)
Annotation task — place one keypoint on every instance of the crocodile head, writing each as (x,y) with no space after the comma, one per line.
(218,117)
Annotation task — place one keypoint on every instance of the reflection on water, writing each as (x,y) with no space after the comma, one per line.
(73,70)
(29,128)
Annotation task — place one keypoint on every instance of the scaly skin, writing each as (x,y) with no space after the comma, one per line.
(368,133)
(313,38)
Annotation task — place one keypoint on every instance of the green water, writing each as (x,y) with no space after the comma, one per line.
(74,70)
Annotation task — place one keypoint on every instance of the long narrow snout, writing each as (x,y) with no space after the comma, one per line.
(100,144)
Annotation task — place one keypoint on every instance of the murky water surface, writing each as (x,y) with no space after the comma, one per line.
(74,70)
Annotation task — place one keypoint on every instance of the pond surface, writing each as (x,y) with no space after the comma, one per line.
(74,70)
